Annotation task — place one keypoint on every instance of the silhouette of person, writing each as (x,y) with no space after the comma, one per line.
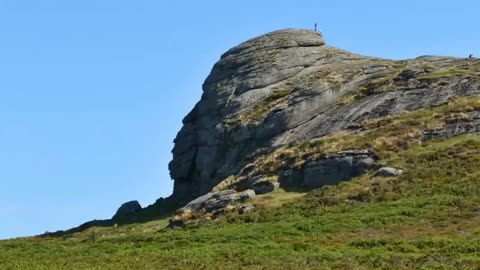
(315,26)
(470,56)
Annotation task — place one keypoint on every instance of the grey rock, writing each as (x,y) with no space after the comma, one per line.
(342,166)
(464,124)
(388,172)
(175,223)
(127,209)
(247,194)
(409,74)
(215,201)
(262,187)
(246,208)
(290,178)
(285,87)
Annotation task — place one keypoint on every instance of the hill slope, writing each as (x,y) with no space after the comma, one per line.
(376,163)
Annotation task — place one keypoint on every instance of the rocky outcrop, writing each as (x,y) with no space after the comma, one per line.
(127,209)
(264,186)
(289,86)
(267,97)
(340,167)
(329,170)
(212,204)
(458,124)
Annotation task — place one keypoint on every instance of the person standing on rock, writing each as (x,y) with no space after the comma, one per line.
(470,56)
(315,27)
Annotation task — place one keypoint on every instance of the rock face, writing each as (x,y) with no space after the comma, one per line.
(328,170)
(340,167)
(127,209)
(465,123)
(262,187)
(216,200)
(289,86)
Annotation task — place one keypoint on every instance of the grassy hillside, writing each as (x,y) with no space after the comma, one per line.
(426,218)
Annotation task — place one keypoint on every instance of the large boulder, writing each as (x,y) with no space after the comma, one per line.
(342,166)
(213,202)
(127,209)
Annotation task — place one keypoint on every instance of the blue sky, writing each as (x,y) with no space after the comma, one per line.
(92,93)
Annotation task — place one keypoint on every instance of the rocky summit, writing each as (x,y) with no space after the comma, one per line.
(300,155)
(288,87)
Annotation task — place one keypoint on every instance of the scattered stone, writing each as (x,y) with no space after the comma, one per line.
(127,209)
(246,208)
(388,172)
(175,223)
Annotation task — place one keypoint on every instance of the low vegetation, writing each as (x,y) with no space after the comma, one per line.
(426,218)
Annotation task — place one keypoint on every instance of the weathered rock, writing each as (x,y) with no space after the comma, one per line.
(127,209)
(262,187)
(342,166)
(388,172)
(461,124)
(290,178)
(175,223)
(246,208)
(247,194)
(213,202)
(289,86)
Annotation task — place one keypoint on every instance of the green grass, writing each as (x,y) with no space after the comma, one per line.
(425,219)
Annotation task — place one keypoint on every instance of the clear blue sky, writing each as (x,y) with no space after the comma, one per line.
(92,93)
